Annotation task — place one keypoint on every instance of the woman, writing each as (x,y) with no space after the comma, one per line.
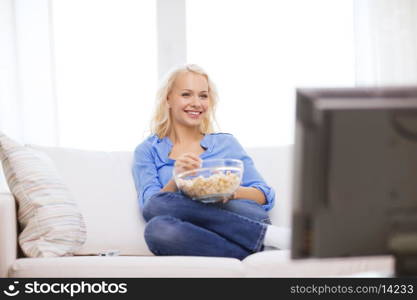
(182,136)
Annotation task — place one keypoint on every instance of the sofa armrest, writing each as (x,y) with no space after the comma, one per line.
(8,232)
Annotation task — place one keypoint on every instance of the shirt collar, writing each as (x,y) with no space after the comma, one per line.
(207,142)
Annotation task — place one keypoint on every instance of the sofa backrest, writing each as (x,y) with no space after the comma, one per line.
(103,186)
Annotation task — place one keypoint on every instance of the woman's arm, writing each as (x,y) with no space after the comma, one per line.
(253,186)
(145,174)
(185,162)
(170,186)
(251,194)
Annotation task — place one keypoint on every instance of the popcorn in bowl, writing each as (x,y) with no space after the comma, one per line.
(216,179)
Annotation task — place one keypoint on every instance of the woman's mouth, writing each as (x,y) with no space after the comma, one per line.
(193,113)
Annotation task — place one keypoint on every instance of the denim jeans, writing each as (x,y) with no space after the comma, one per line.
(178,225)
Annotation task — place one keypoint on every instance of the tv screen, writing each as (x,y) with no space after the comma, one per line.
(355,170)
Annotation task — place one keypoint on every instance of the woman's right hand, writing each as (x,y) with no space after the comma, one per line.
(187,161)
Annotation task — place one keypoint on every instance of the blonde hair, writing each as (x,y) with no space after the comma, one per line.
(161,120)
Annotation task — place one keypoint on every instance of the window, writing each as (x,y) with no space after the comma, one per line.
(106,71)
(259,51)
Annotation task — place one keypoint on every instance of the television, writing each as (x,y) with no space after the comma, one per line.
(355,172)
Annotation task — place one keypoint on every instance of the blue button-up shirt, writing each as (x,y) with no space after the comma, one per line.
(152,167)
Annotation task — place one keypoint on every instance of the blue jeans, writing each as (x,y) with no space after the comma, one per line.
(177,225)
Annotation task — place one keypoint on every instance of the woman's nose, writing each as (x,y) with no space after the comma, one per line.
(195,101)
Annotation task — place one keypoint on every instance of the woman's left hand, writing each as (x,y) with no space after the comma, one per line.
(226,199)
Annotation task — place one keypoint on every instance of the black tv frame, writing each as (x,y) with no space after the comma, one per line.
(317,110)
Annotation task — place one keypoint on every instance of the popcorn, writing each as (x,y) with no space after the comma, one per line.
(218,183)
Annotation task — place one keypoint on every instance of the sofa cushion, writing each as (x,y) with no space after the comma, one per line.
(103,185)
(278,263)
(52,224)
(127,266)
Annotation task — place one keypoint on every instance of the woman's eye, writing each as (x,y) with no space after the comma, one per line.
(203,96)
(185,94)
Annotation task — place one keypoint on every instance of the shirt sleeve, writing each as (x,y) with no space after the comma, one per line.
(251,176)
(145,174)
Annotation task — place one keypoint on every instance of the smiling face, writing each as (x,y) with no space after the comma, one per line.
(189,99)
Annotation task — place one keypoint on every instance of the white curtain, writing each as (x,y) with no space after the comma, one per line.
(27,101)
(385,54)
(259,51)
(386,42)
(9,110)
(105,71)
(385,51)
(9,106)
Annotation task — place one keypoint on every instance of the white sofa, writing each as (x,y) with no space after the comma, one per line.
(103,187)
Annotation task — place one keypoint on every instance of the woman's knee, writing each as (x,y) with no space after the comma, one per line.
(159,204)
(160,232)
(248,208)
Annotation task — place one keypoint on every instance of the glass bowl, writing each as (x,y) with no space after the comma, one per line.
(214,180)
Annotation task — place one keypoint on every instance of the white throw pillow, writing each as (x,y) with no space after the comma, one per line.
(51,222)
